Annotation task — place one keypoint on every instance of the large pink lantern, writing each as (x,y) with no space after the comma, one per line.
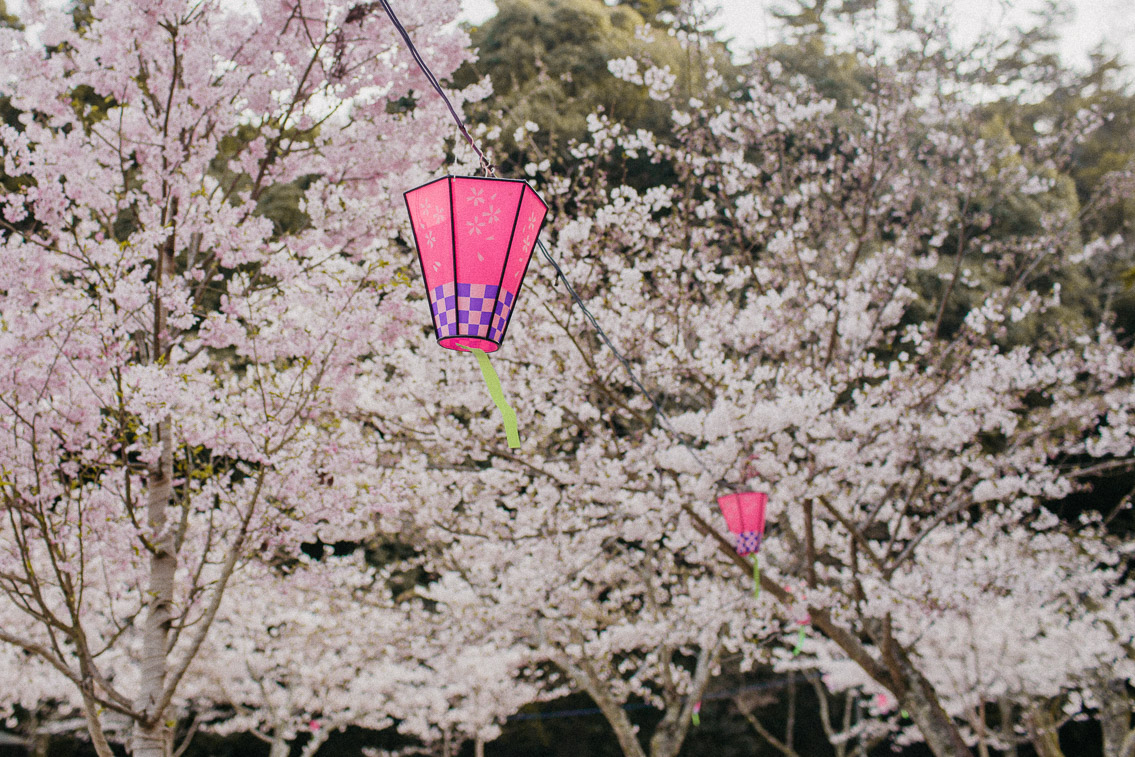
(745,516)
(475,238)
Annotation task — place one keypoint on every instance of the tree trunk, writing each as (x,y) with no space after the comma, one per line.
(152,736)
(670,733)
(898,673)
(1008,735)
(94,727)
(664,745)
(920,700)
(585,678)
(280,747)
(1115,718)
(1043,733)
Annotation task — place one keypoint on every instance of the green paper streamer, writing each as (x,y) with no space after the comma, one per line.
(799,642)
(756,578)
(497,394)
(696,719)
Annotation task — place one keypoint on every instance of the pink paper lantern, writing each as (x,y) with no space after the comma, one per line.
(745,516)
(475,238)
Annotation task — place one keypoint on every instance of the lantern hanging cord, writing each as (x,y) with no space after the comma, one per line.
(486,166)
(663,419)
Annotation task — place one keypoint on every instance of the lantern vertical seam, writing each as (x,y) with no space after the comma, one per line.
(422,266)
(453,236)
(504,267)
(520,284)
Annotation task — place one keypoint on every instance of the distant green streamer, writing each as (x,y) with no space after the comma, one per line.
(756,578)
(497,394)
(799,642)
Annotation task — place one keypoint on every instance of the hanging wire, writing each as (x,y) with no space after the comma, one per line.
(489,169)
(486,166)
(663,419)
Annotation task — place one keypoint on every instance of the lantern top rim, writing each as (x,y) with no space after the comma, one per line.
(479,178)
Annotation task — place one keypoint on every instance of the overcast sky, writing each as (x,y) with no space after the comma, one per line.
(1094,21)
(749,22)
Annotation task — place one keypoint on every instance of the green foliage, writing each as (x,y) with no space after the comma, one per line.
(1039,105)
(808,48)
(90,106)
(81,14)
(1111,147)
(652,9)
(547,60)
(277,202)
(839,76)
(7,19)
(1098,158)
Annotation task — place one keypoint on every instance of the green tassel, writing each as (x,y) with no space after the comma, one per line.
(696,719)
(756,578)
(497,394)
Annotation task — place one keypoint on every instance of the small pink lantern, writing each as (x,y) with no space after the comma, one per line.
(475,238)
(745,516)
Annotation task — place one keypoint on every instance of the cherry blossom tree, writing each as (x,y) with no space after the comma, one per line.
(1013,632)
(857,309)
(294,656)
(300,654)
(840,297)
(620,622)
(179,364)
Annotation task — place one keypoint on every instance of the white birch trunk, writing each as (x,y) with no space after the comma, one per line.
(152,737)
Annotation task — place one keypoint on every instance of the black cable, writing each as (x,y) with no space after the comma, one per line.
(487,167)
(664,420)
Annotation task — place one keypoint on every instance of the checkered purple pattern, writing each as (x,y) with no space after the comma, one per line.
(748,542)
(463,309)
(500,318)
